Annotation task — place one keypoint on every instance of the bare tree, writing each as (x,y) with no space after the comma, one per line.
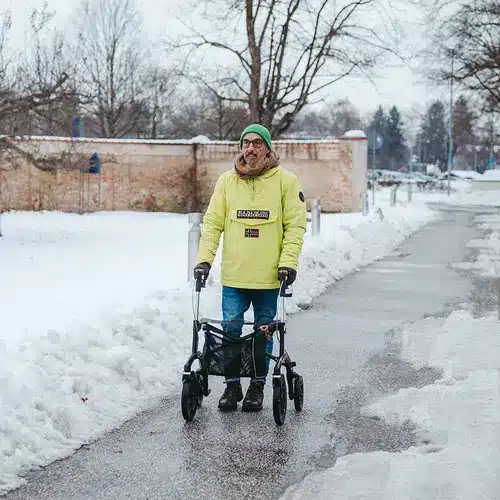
(344,116)
(24,91)
(465,49)
(44,61)
(223,120)
(8,96)
(200,111)
(160,85)
(111,64)
(333,119)
(282,53)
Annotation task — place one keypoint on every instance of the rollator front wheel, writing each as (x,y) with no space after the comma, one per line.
(199,379)
(298,392)
(279,400)
(189,398)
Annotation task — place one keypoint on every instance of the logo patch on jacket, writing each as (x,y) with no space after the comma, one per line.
(251,233)
(302,197)
(252,214)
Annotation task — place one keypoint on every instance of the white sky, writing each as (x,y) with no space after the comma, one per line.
(398,85)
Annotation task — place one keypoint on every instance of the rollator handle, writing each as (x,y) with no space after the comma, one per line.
(200,279)
(283,277)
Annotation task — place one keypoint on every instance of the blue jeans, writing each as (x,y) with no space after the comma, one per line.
(236,301)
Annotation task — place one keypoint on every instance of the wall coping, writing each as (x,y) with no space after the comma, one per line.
(100,140)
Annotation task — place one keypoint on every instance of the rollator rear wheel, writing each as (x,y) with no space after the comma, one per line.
(298,392)
(189,398)
(279,400)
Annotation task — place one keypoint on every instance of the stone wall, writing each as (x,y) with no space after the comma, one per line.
(173,176)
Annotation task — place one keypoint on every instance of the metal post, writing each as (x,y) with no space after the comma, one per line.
(450,127)
(373,165)
(99,192)
(88,192)
(366,206)
(80,192)
(496,282)
(410,172)
(315,216)
(194,236)
(393,195)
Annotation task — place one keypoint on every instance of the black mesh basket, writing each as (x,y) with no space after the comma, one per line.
(235,357)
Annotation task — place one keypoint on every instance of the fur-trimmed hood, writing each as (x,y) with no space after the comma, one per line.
(245,171)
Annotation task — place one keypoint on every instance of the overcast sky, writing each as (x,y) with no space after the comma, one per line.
(399,85)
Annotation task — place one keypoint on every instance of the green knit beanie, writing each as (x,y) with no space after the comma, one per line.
(260,130)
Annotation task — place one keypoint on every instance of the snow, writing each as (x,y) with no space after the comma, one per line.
(96,325)
(489,175)
(466,174)
(354,134)
(200,139)
(96,314)
(457,417)
(462,194)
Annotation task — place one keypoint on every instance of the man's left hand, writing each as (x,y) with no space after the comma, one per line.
(287,273)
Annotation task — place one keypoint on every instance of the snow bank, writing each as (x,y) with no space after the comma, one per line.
(458,417)
(96,316)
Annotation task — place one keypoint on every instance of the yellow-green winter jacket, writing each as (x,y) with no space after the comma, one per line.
(264,221)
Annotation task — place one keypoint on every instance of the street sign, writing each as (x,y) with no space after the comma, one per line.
(375,141)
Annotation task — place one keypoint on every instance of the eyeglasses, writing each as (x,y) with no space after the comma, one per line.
(256,143)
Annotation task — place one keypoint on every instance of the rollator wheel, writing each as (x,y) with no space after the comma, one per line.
(298,392)
(279,400)
(199,379)
(189,398)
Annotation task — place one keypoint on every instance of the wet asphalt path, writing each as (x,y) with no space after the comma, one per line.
(346,350)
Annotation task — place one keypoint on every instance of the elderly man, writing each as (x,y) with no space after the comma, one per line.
(261,209)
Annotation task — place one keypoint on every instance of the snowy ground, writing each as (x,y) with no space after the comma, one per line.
(96,315)
(458,417)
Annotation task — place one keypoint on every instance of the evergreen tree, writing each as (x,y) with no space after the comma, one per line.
(432,139)
(463,126)
(378,127)
(396,146)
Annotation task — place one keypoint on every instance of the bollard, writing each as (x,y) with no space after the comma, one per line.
(393,195)
(315,216)
(497,286)
(409,192)
(194,236)
(366,205)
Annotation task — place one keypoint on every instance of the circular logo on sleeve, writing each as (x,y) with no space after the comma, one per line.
(302,197)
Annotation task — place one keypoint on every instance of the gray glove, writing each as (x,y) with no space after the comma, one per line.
(202,268)
(287,274)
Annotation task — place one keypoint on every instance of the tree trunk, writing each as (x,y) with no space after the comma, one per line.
(254,107)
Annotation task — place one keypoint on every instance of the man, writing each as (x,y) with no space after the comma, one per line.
(261,210)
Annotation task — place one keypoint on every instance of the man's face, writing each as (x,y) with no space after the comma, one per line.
(254,148)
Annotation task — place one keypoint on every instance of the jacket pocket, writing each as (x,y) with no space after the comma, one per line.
(251,217)
(252,246)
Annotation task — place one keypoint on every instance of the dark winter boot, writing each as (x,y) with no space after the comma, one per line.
(232,394)
(254,397)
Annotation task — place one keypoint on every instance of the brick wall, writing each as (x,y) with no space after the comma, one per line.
(172,176)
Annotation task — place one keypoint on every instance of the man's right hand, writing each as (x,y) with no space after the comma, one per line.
(203,270)
(287,274)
